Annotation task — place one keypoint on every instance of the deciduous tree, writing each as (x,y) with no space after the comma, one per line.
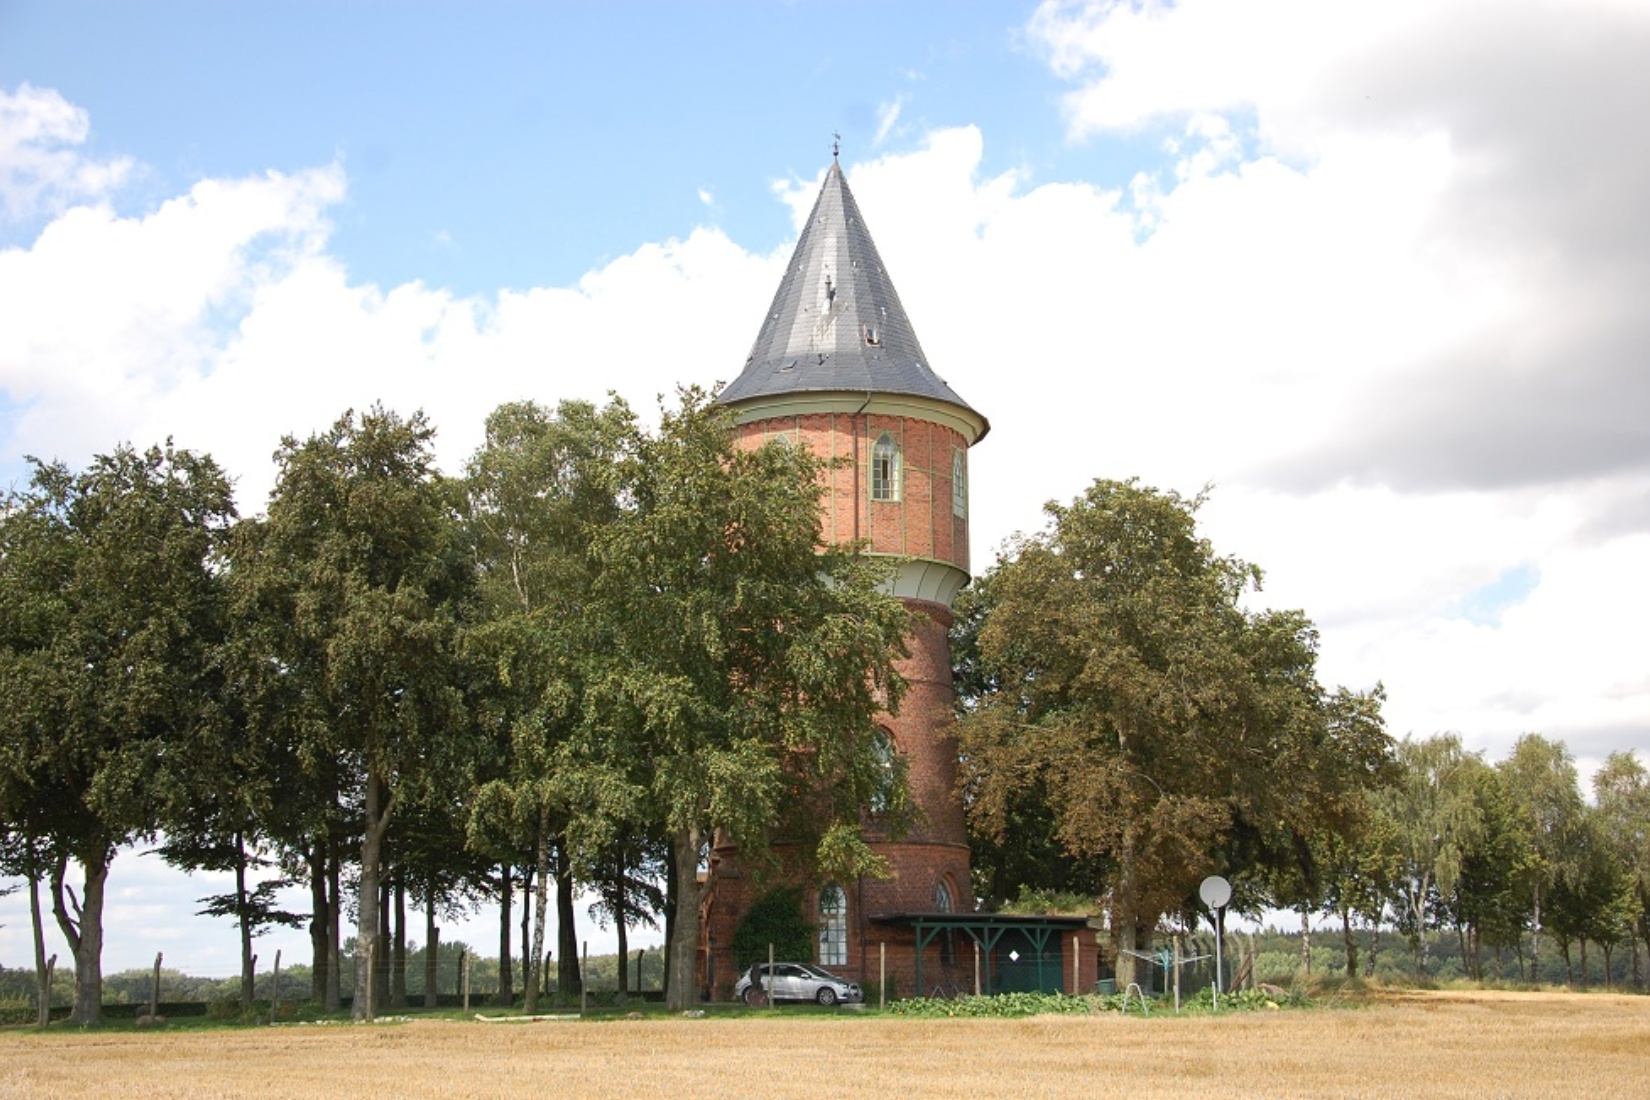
(112,615)
(1122,676)
(745,660)
(363,556)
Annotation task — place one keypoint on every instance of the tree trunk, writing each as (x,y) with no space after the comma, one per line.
(42,969)
(432,941)
(382,955)
(569,975)
(248,976)
(684,939)
(506,961)
(398,966)
(1374,943)
(1584,962)
(624,945)
(1535,938)
(84,930)
(1306,942)
(1350,942)
(367,942)
(1123,917)
(541,913)
(670,917)
(335,927)
(318,914)
(527,884)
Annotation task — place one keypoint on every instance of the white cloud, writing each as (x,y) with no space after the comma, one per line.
(41,169)
(222,320)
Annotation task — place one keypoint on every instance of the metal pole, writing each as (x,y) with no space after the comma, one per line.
(770,976)
(882,975)
(976,968)
(1177,972)
(1220,935)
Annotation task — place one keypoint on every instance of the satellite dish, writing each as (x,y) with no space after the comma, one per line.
(1215,892)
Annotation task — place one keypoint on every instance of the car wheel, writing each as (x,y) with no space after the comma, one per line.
(755,996)
(826,996)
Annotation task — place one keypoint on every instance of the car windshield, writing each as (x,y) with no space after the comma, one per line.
(814,971)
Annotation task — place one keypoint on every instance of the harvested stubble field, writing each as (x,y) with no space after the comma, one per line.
(1478,1045)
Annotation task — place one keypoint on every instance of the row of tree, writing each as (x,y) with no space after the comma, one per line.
(1128,727)
(575,663)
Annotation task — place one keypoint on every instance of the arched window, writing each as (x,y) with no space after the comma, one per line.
(882,743)
(942,897)
(833,926)
(959,485)
(885,470)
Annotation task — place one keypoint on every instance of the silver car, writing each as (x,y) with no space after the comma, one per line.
(797,982)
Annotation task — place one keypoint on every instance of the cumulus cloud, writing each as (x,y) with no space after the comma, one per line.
(1498,152)
(222,320)
(42,170)
(1309,328)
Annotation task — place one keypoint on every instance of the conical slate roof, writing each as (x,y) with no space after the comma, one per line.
(836,324)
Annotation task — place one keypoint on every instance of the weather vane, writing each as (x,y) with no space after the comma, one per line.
(836,145)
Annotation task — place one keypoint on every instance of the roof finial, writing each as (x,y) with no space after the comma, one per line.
(836,145)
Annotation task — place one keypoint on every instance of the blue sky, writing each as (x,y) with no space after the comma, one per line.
(513,144)
(1374,271)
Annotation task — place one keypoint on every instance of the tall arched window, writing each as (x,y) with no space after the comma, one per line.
(833,926)
(942,897)
(959,485)
(885,470)
(882,743)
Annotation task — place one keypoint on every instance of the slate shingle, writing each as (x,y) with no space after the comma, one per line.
(836,323)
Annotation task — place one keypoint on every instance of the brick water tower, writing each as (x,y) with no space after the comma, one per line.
(837,368)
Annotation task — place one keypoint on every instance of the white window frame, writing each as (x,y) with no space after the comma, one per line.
(833,925)
(886,468)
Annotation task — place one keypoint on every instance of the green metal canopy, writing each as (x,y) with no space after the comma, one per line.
(988,930)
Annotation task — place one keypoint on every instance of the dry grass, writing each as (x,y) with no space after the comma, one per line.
(1478,1045)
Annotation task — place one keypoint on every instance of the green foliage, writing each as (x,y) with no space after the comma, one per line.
(1120,701)
(111,619)
(774,918)
(741,663)
(1016,1005)
(1053,901)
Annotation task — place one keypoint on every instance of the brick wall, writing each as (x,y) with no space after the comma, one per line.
(923,522)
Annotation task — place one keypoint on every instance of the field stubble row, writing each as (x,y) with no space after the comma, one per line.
(1483,1045)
